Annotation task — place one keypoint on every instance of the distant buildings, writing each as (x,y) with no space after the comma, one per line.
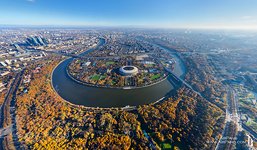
(3,64)
(87,63)
(141,57)
(148,62)
(36,41)
(5,73)
(2,87)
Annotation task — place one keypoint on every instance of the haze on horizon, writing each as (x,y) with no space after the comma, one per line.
(225,14)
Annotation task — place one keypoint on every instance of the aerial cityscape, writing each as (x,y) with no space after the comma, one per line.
(128,75)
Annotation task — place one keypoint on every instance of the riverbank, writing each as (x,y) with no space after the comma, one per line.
(182,68)
(105,98)
(82,106)
(113,87)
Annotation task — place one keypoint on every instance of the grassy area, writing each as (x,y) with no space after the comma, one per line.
(102,77)
(166,146)
(156,76)
(109,63)
(252,124)
(149,65)
(113,83)
(248,123)
(95,77)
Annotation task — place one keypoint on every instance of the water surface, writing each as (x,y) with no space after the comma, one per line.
(80,94)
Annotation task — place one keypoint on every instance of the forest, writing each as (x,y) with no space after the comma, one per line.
(46,121)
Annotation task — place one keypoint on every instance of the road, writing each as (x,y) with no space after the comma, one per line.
(177,80)
(231,116)
(232,122)
(7,120)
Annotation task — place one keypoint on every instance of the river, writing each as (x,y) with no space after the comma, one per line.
(89,96)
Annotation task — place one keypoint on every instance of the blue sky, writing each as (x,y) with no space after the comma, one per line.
(143,13)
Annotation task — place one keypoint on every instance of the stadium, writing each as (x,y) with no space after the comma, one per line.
(128,70)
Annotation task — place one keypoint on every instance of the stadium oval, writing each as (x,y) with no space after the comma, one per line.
(128,70)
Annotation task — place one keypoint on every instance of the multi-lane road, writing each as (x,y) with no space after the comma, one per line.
(233,117)
(232,123)
(7,120)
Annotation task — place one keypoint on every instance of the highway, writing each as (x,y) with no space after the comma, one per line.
(178,81)
(233,116)
(7,120)
(2,112)
(232,123)
(232,110)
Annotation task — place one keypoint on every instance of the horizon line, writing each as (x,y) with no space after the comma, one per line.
(207,27)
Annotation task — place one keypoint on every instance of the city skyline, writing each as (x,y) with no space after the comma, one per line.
(237,14)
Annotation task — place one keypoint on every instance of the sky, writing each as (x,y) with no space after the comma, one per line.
(139,13)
